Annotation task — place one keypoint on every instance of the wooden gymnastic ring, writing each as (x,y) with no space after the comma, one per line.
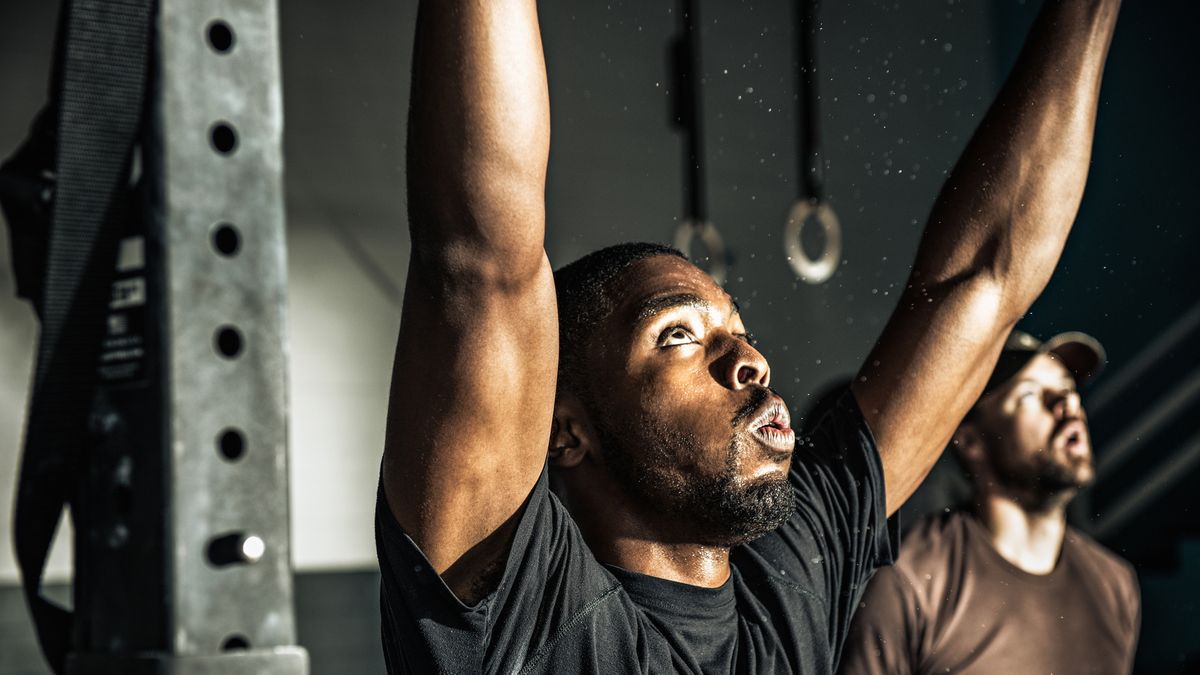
(716,259)
(809,270)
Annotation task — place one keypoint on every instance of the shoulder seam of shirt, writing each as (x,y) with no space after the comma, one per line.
(911,589)
(923,615)
(566,627)
(775,579)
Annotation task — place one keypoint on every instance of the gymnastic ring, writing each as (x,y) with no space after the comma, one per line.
(715,260)
(809,270)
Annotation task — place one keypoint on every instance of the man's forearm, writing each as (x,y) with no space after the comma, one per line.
(478,136)
(993,239)
(1009,204)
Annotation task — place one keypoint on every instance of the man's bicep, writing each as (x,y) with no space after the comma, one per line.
(469,417)
(926,371)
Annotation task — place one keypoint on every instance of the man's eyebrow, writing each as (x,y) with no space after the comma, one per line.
(654,306)
(1069,383)
(658,305)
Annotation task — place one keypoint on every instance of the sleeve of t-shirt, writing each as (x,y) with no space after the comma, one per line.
(840,532)
(884,636)
(549,578)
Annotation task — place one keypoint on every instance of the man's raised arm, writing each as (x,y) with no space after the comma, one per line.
(991,244)
(473,382)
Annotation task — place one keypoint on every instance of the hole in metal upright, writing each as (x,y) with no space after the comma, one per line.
(220,37)
(235,643)
(223,137)
(226,240)
(231,443)
(228,341)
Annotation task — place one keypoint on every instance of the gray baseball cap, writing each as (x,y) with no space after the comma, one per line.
(1081,353)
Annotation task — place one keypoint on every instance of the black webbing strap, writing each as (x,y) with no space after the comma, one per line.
(808,119)
(26,195)
(104,63)
(689,111)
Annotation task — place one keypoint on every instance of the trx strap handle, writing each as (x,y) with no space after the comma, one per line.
(689,118)
(811,202)
(104,53)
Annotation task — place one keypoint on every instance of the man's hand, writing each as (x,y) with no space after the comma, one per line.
(993,239)
(474,376)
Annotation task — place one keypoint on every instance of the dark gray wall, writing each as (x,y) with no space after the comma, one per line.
(902,93)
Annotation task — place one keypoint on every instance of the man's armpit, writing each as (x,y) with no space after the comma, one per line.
(477,573)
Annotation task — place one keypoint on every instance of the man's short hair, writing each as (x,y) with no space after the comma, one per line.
(583,301)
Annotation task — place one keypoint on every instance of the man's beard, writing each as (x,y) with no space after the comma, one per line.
(1055,477)
(1045,478)
(716,510)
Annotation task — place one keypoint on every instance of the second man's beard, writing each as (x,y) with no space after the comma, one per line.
(1040,481)
(1058,476)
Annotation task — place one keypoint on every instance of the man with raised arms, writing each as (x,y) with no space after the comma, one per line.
(1003,584)
(687,531)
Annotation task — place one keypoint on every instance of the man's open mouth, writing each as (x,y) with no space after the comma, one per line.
(1072,435)
(773,427)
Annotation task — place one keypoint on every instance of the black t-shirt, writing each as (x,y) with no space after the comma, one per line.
(785,608)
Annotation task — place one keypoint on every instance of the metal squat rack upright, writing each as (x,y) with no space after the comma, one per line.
(183,558)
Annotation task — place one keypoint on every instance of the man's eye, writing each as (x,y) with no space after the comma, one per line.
(675,335)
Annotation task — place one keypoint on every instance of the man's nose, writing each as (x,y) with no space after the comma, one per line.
(1067,405)
(745,366)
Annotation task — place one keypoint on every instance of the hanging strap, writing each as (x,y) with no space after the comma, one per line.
(26,195)
(688,117)
(811,203)
(808,122)
(689,112)
(104,52)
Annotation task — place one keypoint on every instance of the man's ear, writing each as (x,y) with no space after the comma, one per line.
(571,437)
(969,445)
